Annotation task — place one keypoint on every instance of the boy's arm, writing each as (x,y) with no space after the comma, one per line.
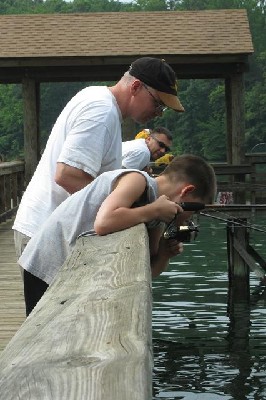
(161,250)
(116,213)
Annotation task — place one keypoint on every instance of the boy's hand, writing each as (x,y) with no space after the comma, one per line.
(166,209)
(170,247)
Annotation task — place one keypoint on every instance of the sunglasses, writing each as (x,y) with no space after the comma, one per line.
(161,144)
(159,106)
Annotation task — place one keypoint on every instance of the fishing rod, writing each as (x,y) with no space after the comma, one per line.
(197,206)
(188,232)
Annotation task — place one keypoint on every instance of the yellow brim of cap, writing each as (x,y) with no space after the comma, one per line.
(171,101)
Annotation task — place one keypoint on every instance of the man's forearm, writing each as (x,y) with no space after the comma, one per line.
(70,178)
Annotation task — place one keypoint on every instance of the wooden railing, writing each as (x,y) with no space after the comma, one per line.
(90,335)
(258,162)
(247,181)
(237,180)
(11,187)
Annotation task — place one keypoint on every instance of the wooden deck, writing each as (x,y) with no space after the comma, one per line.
(12,310)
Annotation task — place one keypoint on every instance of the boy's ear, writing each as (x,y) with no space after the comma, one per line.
(187,190)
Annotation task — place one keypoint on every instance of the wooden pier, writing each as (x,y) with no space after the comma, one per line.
(12,310)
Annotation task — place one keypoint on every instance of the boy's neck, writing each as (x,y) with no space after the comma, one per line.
(166,187)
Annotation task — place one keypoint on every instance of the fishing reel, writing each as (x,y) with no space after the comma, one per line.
(183,233)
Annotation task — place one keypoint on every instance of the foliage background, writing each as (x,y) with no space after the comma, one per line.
(200,130)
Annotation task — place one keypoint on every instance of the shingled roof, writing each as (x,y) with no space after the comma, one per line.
(46,40)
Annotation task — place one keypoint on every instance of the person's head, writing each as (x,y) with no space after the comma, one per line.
(159,142)
(151,88)
(192,179)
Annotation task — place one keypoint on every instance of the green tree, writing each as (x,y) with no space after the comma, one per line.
(54,97)
(256,107)
(149,5)
(11,121)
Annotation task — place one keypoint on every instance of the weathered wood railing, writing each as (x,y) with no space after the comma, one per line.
(89,337)
(258,162)
(11,187)
(237,179)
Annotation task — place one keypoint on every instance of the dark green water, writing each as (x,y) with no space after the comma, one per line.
(200,351)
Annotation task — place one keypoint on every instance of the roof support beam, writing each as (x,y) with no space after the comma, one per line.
(235,110)
(31,95)
(191,69)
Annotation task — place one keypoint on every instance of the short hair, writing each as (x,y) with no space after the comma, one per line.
(194,170)
(162,130)
(127,79)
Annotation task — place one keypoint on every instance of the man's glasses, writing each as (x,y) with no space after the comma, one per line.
(159,106)
(162,144)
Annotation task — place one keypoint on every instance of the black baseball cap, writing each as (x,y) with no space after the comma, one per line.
(157,74)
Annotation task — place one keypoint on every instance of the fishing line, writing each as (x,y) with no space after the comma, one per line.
(232,219)
(220,208)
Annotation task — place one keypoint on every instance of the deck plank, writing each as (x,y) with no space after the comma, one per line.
(12,310)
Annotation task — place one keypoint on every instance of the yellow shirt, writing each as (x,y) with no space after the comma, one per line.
(143,134)
(166,159)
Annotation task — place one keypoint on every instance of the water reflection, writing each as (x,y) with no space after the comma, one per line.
(202,349)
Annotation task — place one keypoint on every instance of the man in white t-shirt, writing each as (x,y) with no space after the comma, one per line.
(139,152)
(86,139)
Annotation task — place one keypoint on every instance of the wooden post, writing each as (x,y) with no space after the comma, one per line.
(238,291)
(239,327)
(31,126)
(235,110)
(21,184)
(238,270)
(90,336)
(8,190)
(2,194)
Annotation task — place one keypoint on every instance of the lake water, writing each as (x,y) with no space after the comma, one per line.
(200,351)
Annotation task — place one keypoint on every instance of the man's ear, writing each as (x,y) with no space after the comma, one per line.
(148,138)
(187,189)
(135,86)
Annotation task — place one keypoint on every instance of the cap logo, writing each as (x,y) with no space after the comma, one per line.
(174,87)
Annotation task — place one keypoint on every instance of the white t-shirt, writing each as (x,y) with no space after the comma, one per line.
(135,154)
(86,135)
(46,252)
